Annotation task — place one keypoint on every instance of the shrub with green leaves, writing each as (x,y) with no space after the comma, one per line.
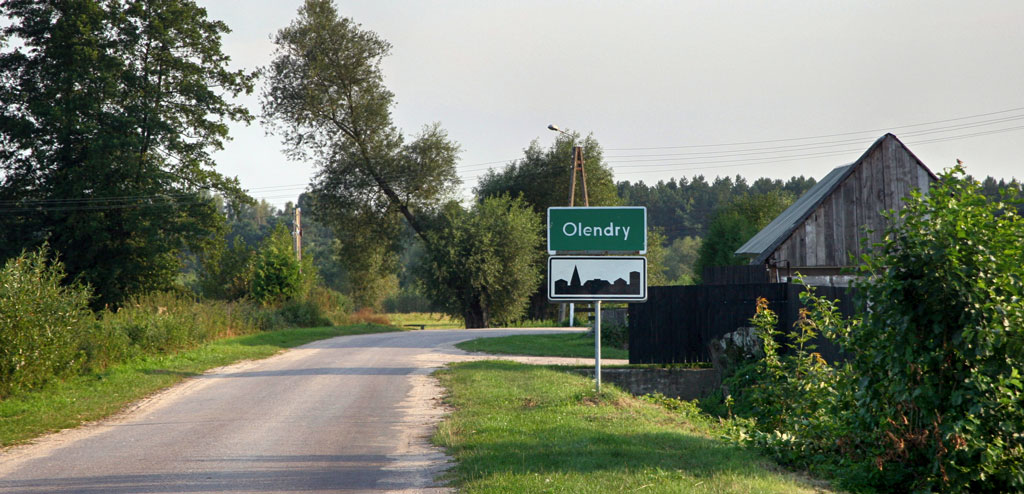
(792,393)
(39,317)
(276,273)
(940,353)
(932,399)
(616,335)
(227,272)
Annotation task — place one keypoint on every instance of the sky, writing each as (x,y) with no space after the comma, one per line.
(674,89)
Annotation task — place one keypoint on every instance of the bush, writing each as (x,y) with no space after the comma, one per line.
(615,335)
(303,313)
(931,400)
(39,319)
(47,331)
(793,395)
(940,353)
(166,322)
(276,273)
(227,273)
(335,305)
(102,345)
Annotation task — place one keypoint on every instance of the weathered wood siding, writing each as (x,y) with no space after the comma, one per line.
(878,183)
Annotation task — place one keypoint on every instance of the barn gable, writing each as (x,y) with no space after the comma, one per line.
(822,229)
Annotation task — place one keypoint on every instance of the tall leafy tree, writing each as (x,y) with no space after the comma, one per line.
(276,272)
(734,224)
(327,99)
(680,257)
(483,266)
(110,111)
(541,176)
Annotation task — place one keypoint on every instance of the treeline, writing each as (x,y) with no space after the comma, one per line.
(684,208)
(704,222)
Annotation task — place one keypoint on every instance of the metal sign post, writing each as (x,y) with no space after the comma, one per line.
(597,344)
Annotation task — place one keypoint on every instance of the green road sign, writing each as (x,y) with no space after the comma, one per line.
(597,230)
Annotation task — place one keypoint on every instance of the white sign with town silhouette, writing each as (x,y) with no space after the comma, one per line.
(593,278)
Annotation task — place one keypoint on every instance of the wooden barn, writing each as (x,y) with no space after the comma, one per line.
(818,234)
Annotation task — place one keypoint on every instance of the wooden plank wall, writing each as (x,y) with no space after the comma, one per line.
(878,183)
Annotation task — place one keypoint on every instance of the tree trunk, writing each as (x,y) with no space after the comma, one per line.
(476,316)
(540,307)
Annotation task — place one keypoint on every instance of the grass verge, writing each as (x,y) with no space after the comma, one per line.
(69,403)
(520,428)
(579,345)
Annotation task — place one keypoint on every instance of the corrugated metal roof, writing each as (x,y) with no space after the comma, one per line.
(765,241)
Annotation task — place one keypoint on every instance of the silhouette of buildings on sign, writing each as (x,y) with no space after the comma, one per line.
(598,286)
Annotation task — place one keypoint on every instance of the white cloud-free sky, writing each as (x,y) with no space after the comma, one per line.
(673,88)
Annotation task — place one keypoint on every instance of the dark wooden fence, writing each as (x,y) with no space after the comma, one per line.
(677,323)
(731,275)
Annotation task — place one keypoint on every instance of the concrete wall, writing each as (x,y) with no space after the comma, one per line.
(686,384)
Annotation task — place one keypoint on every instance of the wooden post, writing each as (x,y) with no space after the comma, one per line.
(577,160)
(577,165)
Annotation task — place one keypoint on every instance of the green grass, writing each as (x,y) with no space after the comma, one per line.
(69,403)
(429,319)
(579,345)
(520,428)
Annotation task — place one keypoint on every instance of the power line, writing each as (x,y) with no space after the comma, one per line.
(824,135)
(812,145)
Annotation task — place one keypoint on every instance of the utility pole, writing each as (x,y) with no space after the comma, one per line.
(577,165)
(298,236)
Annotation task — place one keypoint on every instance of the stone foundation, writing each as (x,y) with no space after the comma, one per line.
(685,384)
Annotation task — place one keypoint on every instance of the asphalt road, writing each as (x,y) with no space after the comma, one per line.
(349,414)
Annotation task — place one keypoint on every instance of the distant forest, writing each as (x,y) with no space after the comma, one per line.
(685,208)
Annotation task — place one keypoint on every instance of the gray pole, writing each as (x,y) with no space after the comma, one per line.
(597,344)
(298,236)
